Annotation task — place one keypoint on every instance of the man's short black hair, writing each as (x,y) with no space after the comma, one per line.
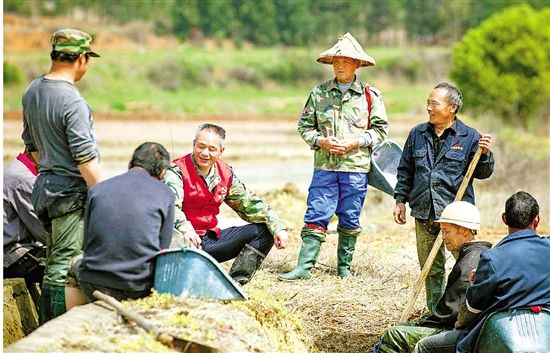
(521,209)
(152,157)
(65,57)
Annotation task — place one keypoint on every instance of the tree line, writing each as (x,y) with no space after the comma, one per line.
(286,22)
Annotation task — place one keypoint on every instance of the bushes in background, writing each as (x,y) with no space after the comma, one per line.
(503,66)
(12,75)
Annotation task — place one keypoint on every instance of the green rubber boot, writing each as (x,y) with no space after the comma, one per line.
(346,247)
(306,260)
(52,302)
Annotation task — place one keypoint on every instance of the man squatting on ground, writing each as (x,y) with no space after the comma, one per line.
(341,121)
(128,219)
(57,130)
(515,273)
(201,181)
(435,159)
(459,223)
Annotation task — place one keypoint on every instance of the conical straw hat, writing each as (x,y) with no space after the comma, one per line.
(349,47)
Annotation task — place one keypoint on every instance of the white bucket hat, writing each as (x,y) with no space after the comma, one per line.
(349,47)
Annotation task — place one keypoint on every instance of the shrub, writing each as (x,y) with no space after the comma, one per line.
(296,68)
(12,75)
(166,75)
(246,75)
(503,66)
(401,67)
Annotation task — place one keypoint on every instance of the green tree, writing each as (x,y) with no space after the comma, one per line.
(185,17)
(423,19)
(258,21)
(295,24)
(216,18)
(503,66)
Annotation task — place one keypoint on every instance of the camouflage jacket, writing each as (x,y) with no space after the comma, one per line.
(328,112)
(247,204)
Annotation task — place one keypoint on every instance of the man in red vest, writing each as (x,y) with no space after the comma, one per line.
(201,182)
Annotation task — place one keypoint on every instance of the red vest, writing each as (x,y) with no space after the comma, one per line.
(200,205)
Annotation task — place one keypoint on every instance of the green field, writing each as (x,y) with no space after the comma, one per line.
(254,81)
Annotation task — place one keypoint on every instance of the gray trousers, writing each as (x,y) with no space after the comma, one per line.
(444,342)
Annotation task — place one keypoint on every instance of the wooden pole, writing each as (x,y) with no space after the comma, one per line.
(168,340)
(439,240)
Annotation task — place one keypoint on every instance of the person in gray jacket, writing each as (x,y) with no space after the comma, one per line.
(57,130)
(24,235)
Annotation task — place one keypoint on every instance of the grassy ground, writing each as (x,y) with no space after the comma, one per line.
(336,315)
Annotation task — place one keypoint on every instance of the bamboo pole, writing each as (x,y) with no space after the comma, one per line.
(439,240)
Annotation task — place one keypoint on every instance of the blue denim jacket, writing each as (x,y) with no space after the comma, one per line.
(424,180)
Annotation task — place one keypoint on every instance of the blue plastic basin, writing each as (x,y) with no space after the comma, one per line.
(194,273)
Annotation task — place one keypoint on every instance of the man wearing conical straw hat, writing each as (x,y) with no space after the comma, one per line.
(341,121)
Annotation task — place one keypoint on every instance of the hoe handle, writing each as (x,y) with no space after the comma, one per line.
(438,241)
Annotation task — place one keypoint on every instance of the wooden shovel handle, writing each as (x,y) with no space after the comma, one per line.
(439,240)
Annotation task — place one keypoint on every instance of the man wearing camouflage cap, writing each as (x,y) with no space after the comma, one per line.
(341,121)
(57,130)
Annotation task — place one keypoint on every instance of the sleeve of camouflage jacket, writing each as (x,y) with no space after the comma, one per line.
(378,120)
(307,125)
(250,207)
(173,178)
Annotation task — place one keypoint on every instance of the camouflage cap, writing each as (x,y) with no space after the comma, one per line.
(72,41)
(346,46)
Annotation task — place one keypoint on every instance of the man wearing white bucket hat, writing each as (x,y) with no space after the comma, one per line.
(342,119)
(459,223)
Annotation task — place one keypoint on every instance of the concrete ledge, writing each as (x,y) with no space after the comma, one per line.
(52,336)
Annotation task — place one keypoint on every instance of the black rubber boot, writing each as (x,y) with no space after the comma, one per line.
(246,264)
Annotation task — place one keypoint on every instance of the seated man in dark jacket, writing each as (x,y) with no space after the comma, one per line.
(127,221)
(459,223)
(513,274)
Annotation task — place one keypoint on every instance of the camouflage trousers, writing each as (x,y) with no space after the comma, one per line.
(403,338)
(426,233)
(63,243)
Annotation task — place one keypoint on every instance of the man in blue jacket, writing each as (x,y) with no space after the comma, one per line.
(435,159)
(513,274)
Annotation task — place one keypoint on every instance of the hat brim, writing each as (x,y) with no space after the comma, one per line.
(328,59)
(93,54)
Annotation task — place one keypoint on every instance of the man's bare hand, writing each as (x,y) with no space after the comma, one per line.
(192,239)
(350,146)
(281,239)
(400,213)
(332,145)
(485,141)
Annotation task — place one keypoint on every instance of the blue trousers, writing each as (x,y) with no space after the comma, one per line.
(340,193)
